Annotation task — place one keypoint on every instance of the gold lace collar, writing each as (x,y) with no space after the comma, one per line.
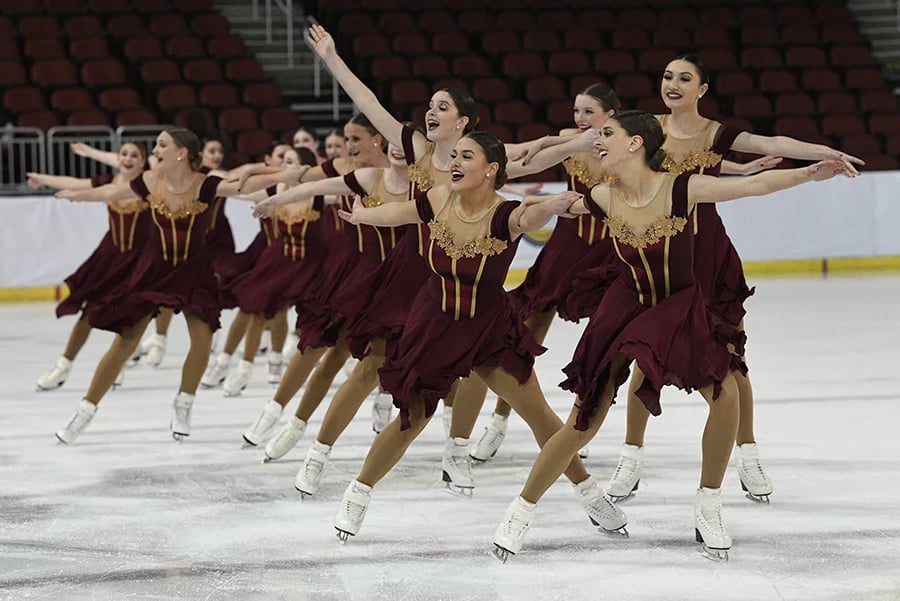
(695,159)
(662,227)
(580,171)
(132,205)
(482,246)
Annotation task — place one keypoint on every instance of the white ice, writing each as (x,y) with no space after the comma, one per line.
(126,513)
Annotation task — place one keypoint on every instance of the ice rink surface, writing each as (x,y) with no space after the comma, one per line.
(126,513)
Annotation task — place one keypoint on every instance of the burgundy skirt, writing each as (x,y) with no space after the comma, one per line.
(275,282)
(718,268)
(435,350)
(548,283)
(103,271)
(673,342)
(229,268)
(394,286)
(154,283)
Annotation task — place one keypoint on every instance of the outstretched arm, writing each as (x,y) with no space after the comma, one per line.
(389,127)
(536,211)
(553,155)
(107,193)
(793,149)
(261,181)
(703,188)
(755,166)
(89,152)
(387,215)
(37,180)
(326,187)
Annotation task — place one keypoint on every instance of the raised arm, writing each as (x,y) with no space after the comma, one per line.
(784,146)
(536,211)
(37,180)
(754,166)
(107,193)
(89,152)
(388,125)
(703,188)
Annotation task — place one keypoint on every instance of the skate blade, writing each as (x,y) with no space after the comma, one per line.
(179,437)
(717,555)
(60,441)
(342,535)
(464,492)
(304,496)
(762,499)
(617,533)
(39,388)
(500,553)
(616,499)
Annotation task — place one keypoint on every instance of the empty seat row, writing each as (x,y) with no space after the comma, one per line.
(65,8)
(118,26)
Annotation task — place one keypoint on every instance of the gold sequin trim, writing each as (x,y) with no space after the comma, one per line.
(420,176)
(664,227)
(579,170)
(481,246)
(695,159)
(285,216)
(371,201)
(192,207)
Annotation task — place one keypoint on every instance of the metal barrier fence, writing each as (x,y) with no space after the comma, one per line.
(24,149)
(61,160)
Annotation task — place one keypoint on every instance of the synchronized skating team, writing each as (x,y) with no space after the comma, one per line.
(394,250)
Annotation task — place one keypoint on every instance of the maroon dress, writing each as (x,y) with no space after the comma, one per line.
(403,273)
(345,283)
(232,266)
(285,269)
(717,266)
(574,246)
(112,260)
(462,318)
(219,237)
(173,269)
(655,315)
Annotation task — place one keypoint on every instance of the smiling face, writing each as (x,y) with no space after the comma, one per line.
(213,154)
(291,159)
(130,158)
(615,145)
(681,85)
(361,144)
(305,139)
(442,119)
(335,146)
(276,159)
(396,156)
(469,167)
(588,113)
(167,153)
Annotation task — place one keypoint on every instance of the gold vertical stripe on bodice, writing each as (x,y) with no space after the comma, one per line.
(649,273)
(162,235)
(456,293)
(666,274)
(475,286)
(637,282)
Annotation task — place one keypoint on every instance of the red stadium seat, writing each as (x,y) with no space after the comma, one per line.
(41,119)
(438,21)
(355,23)
(71,99)
(719,16)
(254,143)
(513,112)
(777,82)
(429,66)
(877,101)
(226,46)
(280,119)
(752,105)
(125,26)
(760,35)
(545,88)
(555,20)
(219,95)
(194,6)
(795,104)
(202,71)
(410,43)
(476,21)
(841,32)
(182,47)
(88,117)
(389,68)
(244,71)
(9,48)
(500,42)
(587,40)
(796,127)
(262,95)
(540,41)
(209,25)
(238,119)
(712,36)
(756,15)
(451,43)
(637,17)
(54,73)
(885,123)
(85,48)
(119,99)
(837,102)
(516,20)
(393,23)
(655,60)
(599,19)
(732,83)
(761,57)
(471,66)
(409,91)
(634,85)
(794,14)
(103,73)
(24,99)
(613,62)
(851,55)
(861,145)
(673,37)
(135,117)
(491,90)
(864,78)
(567,63)
(165,25)
(176,97)
(821,80)
(12,73)
(630,38)
(718,58)
(680,16)
(35,28)
(45,48)
(805,57)
(142,47)
(520,65)
(158,71)
(843,125)
(108,7)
